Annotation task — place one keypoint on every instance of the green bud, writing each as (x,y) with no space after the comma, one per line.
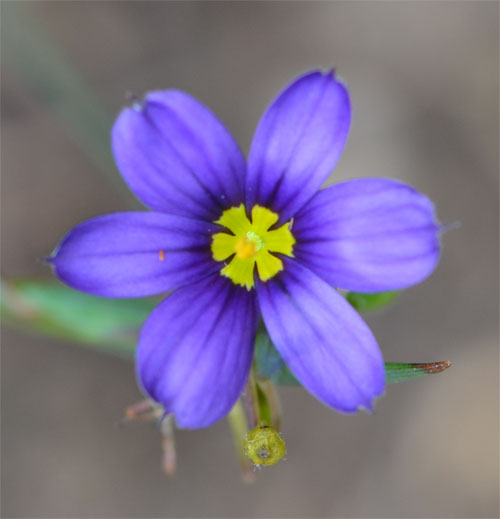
(264,446)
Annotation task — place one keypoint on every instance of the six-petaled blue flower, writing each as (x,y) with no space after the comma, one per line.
(237,241)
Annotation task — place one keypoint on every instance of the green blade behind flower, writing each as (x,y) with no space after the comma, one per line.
(367,302)
(111,325)
(269,365)
(54,309)
(396,372)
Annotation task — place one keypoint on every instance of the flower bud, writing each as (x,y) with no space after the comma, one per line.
(264,446)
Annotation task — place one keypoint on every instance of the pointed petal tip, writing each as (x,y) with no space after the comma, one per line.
(366,405)
(327,71)
(451,226)
(366,408)
(134,101)
(298,142)
(369,406)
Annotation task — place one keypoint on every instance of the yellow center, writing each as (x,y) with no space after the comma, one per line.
(250,244)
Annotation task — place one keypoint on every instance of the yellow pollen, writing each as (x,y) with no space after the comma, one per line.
(248,246)
(251,244)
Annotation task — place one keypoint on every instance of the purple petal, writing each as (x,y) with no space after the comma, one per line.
(297,143)
(134,254)
(368,235)
(196,348)
(323,340)
(177,157)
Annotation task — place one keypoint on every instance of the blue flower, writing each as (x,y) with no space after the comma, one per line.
(236,241)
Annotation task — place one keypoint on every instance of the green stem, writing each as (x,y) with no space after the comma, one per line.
(239,427)
(250,400)
(272,402)
(264,413)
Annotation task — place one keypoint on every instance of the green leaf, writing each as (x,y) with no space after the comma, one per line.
(55,309)
(112,325)
(366,302)
(270,365)
(395,372)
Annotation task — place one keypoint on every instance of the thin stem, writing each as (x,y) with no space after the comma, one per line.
(169,459)
(250,401)
(239,426)
(273,403)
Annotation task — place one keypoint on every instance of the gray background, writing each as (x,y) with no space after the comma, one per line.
(423,79)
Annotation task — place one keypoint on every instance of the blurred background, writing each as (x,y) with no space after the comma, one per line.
(423,79)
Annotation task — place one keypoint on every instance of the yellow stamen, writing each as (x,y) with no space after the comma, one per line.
(248,246)
(251,244)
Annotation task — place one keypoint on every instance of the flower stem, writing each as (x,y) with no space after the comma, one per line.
(265,416)
(250,400)
(272,402)
(239,426)
(169,459)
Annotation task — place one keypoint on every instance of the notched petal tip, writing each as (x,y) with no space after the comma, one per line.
(177,157)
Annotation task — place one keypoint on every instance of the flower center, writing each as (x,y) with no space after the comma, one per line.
(248,246)
(251,244)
